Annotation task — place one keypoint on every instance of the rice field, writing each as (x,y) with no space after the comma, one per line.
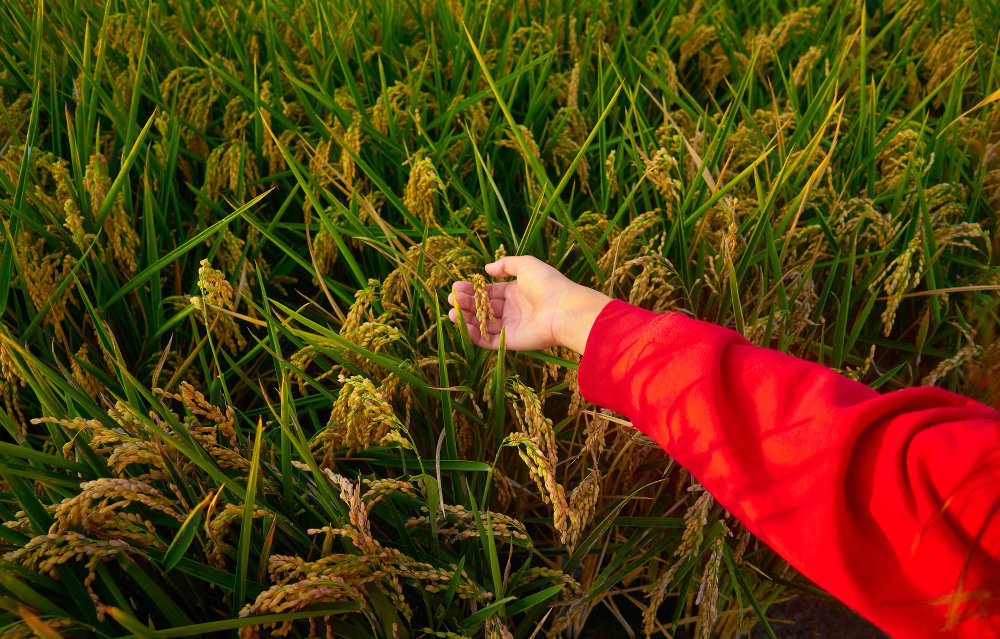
(232,399)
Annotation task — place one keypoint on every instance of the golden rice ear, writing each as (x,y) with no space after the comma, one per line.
(484,309)
(361,417)
(495,629)
(542,469)
(708,592)
(41,271)
(597,430)
(321,92)
(659,170)
(611,173)
(455,523)
(352,147)
(583,506)
(217,300)
(379,489)
(10,380)
(422,188)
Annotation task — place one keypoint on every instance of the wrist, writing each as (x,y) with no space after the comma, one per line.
(571,326)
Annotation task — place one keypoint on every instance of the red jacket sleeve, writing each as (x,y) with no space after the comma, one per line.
(889,502)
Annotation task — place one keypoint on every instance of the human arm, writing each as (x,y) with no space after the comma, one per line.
(887,501)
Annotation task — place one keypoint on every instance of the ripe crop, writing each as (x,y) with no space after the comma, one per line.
(232,400)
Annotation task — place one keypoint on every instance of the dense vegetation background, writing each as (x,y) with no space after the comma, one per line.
(229,230)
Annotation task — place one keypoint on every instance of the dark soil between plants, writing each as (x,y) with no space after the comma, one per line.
(808,617)
(804,617)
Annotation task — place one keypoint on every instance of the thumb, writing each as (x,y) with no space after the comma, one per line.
(507,266)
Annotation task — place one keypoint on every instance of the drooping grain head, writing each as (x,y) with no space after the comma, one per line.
(708,592)
(214,286)
(484,308)
(422,187)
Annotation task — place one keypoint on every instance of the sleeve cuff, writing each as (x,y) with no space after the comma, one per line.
(605,374)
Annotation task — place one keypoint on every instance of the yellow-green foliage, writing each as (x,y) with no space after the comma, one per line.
(229,231)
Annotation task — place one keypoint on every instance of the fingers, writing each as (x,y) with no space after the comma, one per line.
(462,298)
(490,340)
(509,266)
(493,343)
(492,290)
(473,322)
(504,267)
(467,303)
(463,287)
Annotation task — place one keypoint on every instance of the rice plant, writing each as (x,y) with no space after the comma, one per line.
(232,400)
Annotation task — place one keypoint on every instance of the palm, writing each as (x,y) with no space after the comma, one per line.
(523,329)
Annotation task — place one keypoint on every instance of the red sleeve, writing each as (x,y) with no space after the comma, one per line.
(886,501)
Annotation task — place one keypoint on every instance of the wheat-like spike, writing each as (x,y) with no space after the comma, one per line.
(495,629)
(456,523)
(708,592)
(422,187)
(484,309)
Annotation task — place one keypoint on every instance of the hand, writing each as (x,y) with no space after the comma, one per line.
(542,308)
